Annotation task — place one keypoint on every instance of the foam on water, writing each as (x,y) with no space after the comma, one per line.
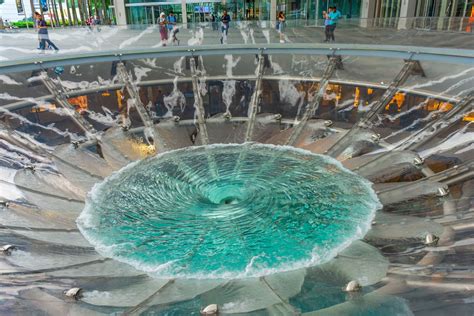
(283,209)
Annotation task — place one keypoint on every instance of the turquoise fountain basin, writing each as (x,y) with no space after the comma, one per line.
(228,211)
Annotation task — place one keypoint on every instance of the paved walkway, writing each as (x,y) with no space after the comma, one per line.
(23,44)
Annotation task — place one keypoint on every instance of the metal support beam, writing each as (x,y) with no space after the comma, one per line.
(61,98)
(423,54)
(132,89)
(411,67)
(434,128)
(145,83)
(21,141)
(456,174)
(146,303)
(436,184)
(42,193)
(253,106)
(334,62)
(428,132)
(198,104)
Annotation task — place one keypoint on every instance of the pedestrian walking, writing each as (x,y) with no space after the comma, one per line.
(97,22)
(334,15)
(43,34)
(327,26)
(90,22)
(162,22)
(36,21)
(225,20)
(172,27)
(281,26)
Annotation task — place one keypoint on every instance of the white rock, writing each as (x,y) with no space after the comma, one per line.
(352,286)
(73,293)
(210,310)
(431,239)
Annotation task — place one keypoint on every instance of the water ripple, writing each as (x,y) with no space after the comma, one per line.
(228,211)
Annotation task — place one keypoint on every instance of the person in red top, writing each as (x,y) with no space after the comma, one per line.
(90,22)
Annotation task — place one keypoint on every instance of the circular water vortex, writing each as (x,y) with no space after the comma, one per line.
(228,211)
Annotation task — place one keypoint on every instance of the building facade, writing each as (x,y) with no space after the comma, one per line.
(191,11)
(15,10)
(385,12)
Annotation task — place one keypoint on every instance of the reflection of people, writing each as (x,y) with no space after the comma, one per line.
(43,33)
(162,21)
(225,20)
(392,108)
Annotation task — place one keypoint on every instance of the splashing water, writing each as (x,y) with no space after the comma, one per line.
(175,99)
(228,90)
(197,37)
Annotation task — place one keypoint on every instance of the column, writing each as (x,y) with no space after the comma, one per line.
(184,12)
(407,13)
(442,14)
(453,19)
(273,10)
(367,13)
(120,13)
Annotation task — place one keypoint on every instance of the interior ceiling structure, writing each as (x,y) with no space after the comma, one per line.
(399,117)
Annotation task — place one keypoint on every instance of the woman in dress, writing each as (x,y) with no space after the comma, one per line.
(162,22)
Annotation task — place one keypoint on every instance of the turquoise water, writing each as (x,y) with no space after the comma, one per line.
(228,211)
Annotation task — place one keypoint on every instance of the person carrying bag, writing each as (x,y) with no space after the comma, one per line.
(172,27)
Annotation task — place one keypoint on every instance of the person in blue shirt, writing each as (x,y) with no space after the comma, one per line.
(43,33)
(334,16)
(172,27)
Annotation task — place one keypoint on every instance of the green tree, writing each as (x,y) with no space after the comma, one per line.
(60,2)
(74,12)
(32,5)
(69,16)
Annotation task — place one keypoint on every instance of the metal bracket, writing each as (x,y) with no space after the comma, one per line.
(145,117)
(311,108)
(61,98)
(253,106)
(464,106)
(198,103)
(411,67)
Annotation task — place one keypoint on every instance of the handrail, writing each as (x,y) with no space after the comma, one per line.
(463,56)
